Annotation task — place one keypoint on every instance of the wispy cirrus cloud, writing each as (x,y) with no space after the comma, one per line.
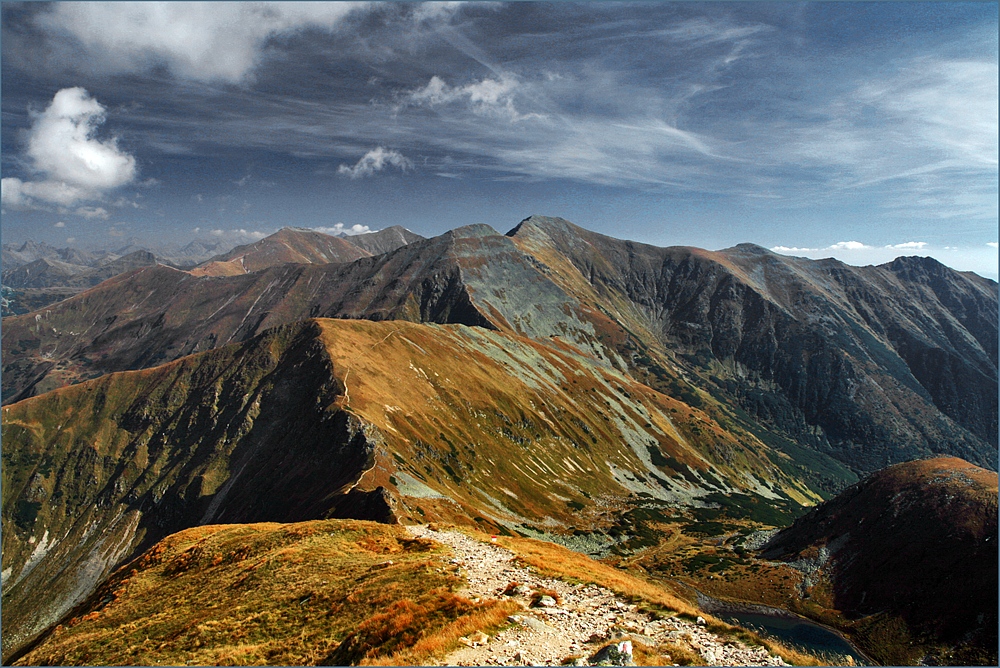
(929,130)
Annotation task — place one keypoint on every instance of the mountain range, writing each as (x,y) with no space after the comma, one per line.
(550,381)
(37,274)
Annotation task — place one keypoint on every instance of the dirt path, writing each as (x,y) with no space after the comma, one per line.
(583,619)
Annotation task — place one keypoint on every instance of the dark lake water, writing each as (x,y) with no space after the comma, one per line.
(795,631)
(782,625)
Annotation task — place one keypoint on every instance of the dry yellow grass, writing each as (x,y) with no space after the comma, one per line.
(490,617)
(273,594)
(556,561)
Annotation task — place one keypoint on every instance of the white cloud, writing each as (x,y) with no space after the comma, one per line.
(70,240)
(62,148)
(237,235)
(489,97)
(992,244)
(205,41)
(375,161)
(339,230)
(909,244)
(92,212)
(792,249)
(60,224)
(848,245)
(28,194)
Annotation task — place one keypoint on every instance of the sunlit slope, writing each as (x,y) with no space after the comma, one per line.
(274,594)
(518,431)
(288,245)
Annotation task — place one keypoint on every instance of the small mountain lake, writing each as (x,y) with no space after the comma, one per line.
(783,625)
(796,631)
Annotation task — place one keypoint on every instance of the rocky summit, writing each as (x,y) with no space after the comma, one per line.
(582,438)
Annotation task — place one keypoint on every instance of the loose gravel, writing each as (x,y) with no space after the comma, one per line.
(584,618)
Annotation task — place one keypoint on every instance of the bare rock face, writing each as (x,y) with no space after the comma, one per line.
(615,654)
(862,363)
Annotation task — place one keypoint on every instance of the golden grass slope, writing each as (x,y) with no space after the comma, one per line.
(274,594)
(517,430)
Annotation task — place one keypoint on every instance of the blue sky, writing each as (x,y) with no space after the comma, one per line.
(855,130)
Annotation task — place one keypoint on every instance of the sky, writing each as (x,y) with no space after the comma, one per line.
(861,131)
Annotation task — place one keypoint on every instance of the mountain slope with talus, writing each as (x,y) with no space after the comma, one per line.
(394,421)
(846,366)
(862,363)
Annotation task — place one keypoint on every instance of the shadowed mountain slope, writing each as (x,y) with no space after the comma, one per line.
(867,366)
(415,421)
(914,543)
(871,364)
(94,471)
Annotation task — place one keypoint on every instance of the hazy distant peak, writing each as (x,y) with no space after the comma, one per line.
(472,231)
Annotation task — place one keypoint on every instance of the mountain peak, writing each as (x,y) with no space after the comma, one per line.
(545,223)
(752,249)
(476,230)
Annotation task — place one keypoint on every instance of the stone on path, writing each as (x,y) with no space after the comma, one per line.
(616,654)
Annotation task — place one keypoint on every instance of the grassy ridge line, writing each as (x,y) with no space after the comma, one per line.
(322,592)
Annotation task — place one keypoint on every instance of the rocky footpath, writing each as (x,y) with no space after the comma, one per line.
(570,621)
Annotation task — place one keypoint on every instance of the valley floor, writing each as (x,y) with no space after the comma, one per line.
(585,618)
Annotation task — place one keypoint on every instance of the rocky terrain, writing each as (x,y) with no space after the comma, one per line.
(840,367)
(655,407)
(571,621)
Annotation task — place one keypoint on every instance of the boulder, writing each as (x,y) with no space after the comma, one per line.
(617,654)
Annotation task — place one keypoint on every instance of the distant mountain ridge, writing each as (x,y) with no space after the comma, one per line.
(841,360)
(37,274)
